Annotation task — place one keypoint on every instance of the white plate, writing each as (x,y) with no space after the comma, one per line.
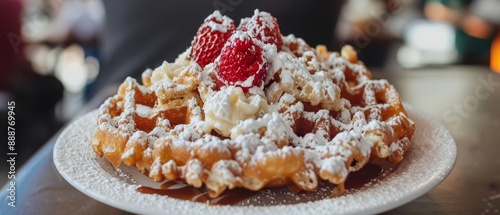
(430,159)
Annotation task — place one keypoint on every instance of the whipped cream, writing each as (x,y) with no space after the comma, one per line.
(229,106)
(169,71)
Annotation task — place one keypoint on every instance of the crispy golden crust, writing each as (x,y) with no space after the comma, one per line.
(321,117)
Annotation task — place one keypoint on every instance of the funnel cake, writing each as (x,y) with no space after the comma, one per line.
(313,114)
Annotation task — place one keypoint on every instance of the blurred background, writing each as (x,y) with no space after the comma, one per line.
(57,55)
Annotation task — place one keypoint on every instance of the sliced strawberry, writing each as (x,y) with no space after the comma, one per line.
(241,63)
(210,38)
(264,27)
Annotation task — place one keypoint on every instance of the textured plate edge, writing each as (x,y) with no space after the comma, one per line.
(413,194)
(432,182)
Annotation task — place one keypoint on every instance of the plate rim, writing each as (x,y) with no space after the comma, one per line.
(410,195)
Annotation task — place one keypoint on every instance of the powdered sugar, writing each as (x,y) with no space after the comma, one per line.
(248,82)
(217,22)
(143,110)
(433,146)
(264,27)
(128,153)
(316,109)
(296,78)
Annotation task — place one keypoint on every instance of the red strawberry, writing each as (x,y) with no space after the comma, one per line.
(264,27)
(210,38)
(241,63)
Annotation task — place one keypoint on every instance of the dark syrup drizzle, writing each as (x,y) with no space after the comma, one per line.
(358,179)
(370,172)
(186,192)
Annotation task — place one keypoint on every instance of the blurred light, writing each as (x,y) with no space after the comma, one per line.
(428,43)
(43,58)
(93,67)
(52,57)
(437,11)
(71,70)
(431,36)
(476,27)
(362,10)
(33,26)
(495,55)
(411,57)
(37,55)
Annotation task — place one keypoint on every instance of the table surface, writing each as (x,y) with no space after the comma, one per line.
(465,99)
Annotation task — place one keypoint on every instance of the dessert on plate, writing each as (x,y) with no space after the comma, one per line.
(245,106)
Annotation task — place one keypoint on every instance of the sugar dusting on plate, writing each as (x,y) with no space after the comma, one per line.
(432,146)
